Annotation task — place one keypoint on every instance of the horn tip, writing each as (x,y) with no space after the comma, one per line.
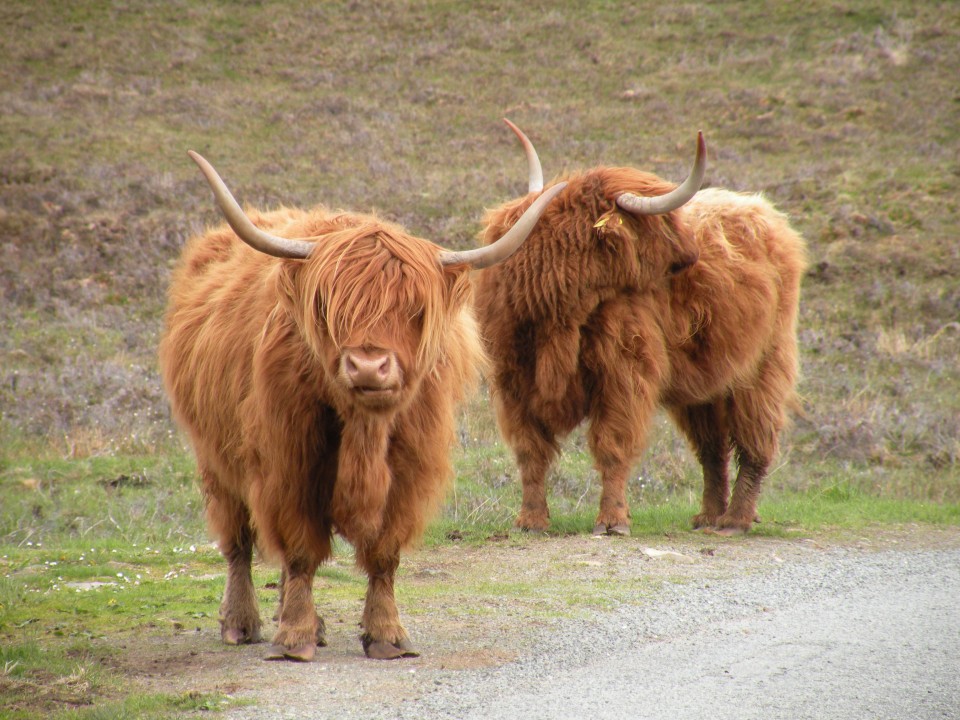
(516,130)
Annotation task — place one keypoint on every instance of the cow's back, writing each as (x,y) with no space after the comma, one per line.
(739,301)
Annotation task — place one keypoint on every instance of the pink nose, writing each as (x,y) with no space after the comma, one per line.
(368,370)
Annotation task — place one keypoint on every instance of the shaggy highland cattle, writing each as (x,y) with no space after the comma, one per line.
(631,294)
(315,359)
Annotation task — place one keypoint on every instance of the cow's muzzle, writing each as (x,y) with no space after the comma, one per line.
(370,373)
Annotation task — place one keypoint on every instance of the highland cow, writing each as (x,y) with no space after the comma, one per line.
(315,359)
(633,294)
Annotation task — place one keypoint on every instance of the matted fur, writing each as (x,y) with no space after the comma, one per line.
(250,358)
(604,324)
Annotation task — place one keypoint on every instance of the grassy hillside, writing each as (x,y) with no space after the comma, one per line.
(845,114)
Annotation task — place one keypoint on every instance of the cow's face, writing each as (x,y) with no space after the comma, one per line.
(375,306)
(375,366)
(617,228)
(645,249)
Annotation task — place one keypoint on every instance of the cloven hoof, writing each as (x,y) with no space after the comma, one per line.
(532,530)
(602,529)
(303,653)
(383,650)
(236,636)
(725,532)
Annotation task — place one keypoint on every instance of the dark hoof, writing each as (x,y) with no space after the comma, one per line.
(533,523)
(619,530)
(304,653)
(236,636)
(383,650)
(703,522)
(725,532)
(532,531)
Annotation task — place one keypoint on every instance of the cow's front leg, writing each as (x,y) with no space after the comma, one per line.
(535,449)
(627,373)
(614,515)
(300,627)
(239,616)
(534,512)
(383,638)
(617,432)
(321,625)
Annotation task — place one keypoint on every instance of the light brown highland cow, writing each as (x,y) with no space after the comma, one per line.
(631,294)
(317,379)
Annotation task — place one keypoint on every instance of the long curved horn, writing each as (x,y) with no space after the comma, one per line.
(535,182)
(241,224)
(508,244)
(675,198)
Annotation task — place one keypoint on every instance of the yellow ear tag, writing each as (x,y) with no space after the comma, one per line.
(604,219)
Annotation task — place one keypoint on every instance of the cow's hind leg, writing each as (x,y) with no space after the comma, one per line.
(300,627)
(706,428)
(383,638)
(230,522)
(756,414)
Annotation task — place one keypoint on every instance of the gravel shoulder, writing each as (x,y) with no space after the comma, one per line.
(650,632)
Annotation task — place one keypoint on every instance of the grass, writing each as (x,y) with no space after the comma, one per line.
(844,114)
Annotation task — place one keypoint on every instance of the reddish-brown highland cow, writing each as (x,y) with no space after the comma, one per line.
(631,294)
(315,359)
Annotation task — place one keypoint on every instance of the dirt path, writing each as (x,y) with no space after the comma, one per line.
(565,583)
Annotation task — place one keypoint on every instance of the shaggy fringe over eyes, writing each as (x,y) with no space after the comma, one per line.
(368,277)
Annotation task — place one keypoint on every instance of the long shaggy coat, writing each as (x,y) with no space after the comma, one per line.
(288,453)
(604,316)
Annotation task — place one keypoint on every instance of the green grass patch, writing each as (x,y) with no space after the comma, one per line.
(69,682)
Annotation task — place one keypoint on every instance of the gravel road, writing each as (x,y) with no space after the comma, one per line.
(841,634)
